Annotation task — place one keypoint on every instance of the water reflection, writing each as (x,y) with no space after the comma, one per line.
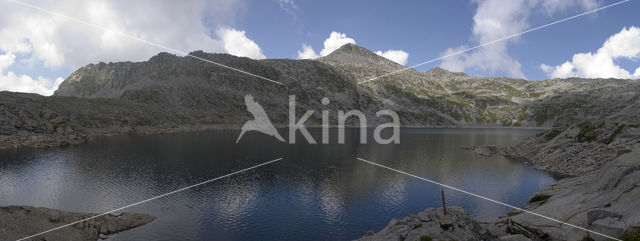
(317,192)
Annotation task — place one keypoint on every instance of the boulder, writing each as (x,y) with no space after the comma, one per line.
(427,224)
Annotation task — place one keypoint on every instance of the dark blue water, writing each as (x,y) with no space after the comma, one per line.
(317,192)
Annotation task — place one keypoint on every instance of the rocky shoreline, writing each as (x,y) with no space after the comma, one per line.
(601,163)
(574,150)
(18,222)
(72,137)
(57,139)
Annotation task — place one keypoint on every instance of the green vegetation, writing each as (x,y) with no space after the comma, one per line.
(587,131)
(614,134)
(550,134)
(539,198)
(633,235)
(425,238)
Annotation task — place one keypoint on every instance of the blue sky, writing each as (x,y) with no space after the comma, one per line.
(425,29)
(37,50)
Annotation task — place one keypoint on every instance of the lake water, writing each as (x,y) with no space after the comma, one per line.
(317,192)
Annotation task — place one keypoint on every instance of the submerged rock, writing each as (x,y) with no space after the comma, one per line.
(18,222)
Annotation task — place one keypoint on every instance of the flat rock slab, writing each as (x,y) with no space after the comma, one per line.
(18,222)
(605,201)
(608,226)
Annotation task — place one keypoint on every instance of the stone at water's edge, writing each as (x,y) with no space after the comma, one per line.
(18,222)
(574,150)
(426,225)
(605,201)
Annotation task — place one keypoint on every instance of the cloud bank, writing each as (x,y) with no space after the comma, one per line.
(397,56)
(336,40)
(57,43)
(601,64)
(495,19)
(235,42)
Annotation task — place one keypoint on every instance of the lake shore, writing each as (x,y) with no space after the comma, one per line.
(601,161)
(72,137)
(18,222)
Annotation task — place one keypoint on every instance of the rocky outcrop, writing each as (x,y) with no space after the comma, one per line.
(604,201)
(428,225)
(573,150)
(603,158)
(18,222)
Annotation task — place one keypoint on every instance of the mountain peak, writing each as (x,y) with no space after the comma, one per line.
(352,49)
(437,71)
(358,57)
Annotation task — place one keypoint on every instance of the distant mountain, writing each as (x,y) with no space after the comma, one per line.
(169,90)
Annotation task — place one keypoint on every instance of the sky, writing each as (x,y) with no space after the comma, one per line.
(39,49)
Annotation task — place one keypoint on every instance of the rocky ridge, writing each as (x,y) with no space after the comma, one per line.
(168,92)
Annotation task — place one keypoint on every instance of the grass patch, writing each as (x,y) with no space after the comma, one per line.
(614,134)
(633,235)
(425,238)
(586,131)
(539,198)
(550,134)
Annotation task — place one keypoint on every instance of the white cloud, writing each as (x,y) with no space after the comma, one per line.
(495,19)
(565,70)
(553,6)
(59,43)
(307,52)
(6,60)
(601,64)
(397,56)
(237,43)
(290,7)
(337,39)
(24,83)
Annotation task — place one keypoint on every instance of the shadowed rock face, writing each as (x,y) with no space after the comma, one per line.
(17,222)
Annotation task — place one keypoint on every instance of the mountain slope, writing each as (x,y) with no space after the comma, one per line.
(169,90)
